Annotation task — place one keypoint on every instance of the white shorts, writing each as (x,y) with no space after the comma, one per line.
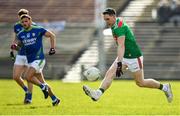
(134,64)
(38,65)
(21,60)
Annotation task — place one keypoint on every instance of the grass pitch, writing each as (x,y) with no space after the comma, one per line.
(122,98)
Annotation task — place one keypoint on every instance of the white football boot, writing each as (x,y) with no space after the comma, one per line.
(168,92)
(94,94)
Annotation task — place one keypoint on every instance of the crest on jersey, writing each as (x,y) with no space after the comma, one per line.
(28,35)
(33,34)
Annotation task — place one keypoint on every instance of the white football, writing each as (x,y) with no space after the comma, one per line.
(92,74)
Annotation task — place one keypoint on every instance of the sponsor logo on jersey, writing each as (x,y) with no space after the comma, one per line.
(31,41)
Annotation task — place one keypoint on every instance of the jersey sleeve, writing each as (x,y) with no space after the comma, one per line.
(18,36)
(43,31)
(14,27)
(120,31)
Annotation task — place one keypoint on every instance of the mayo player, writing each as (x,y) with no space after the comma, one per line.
(129,56)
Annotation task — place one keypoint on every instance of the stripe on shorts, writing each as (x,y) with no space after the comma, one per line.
(40,62)
(139,62)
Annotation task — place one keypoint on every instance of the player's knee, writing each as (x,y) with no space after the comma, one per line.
(28,79)
(16,77)
(140,84)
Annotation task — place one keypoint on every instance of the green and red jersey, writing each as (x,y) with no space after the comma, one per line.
(120,28)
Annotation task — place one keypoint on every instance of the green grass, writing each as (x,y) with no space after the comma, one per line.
(123,98)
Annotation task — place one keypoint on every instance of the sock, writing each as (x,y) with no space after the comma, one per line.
(42,86)
(29,96)
(161,86)
(101,89)
(53,98)
(25,89)
(165,87)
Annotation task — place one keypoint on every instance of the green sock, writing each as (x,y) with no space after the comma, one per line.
(101,89)
(161,86)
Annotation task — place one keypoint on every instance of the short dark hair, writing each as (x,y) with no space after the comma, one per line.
(25,16)
(22,11)
(109,11)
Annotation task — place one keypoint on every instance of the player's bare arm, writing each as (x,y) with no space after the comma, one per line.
(121,46)
(52,37)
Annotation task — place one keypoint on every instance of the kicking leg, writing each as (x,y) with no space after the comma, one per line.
(105,84)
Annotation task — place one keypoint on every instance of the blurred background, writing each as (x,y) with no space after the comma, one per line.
(83,41)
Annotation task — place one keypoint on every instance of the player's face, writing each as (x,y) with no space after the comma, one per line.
(26,23)
(110,20)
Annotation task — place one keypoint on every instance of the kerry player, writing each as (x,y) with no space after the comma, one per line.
(31,38)
(20,64)
(129,56)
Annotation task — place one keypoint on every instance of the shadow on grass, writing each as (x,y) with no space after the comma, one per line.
(30,106)
(15,104)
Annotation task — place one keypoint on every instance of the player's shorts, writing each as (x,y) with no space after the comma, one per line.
(21,60)
(38,65)
(134,64)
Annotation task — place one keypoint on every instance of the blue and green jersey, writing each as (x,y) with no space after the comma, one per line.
(32,42)
(17,28)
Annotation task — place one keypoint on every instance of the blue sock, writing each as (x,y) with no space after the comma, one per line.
(29,96)
(42,86)
(53,98)
(25,89)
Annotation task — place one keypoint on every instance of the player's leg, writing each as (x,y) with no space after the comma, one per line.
(55,100)
(151,83)
(29,84)
(18,69)
(30,75)
(105,84)
(138,75)
(28,96)
(141,82)
(17,72)
(109,76)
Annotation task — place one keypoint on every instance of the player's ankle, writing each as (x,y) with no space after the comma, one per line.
(102,90)
(161,86)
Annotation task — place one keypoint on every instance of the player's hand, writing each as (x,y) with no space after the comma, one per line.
(12,55)
(15,47)
(52,51)
(119,69)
